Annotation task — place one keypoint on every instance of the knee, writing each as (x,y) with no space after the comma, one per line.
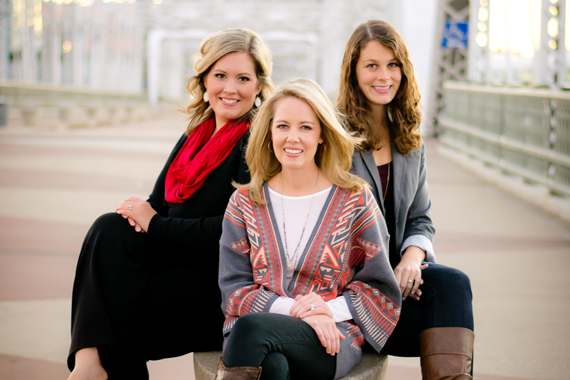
(250,326)
(445,279)
(109,237)
(460,281)
(109,222)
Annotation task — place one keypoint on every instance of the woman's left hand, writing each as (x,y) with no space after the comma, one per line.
(409,272)
(329,335)
(137,210)
(302,306)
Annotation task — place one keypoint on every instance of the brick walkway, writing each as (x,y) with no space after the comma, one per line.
(54,184)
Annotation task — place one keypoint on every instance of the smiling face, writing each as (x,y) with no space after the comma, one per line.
(295,134)
(231,85)
(379,74)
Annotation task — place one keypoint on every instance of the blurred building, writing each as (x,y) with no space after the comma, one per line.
(144,46)
(86,44)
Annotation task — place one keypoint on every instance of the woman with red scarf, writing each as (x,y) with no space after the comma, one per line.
(146,281)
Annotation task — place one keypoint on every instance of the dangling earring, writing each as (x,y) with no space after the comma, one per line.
(269,146)
(205,97)
(257,101)
(389,115)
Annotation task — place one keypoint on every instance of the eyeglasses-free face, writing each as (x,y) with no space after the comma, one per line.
(232,86)
(295,134)
(379,74)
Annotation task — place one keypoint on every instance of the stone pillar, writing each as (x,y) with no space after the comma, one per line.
(331,49)
(55,42)
(77,39)
(155,38)
(97,55)
(478,66)
(549,61)
(25,46)
(138,59)
(5,13)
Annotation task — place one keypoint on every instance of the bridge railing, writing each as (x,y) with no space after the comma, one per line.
(519,130)
(61,107)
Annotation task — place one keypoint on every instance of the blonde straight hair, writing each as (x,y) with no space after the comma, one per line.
(212,49)
(333,156)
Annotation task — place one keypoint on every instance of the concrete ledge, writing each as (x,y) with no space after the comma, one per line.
(535,194)
(372,366)
(66,115)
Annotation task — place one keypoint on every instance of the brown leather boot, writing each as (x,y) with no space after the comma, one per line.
(237,373)
(446,353)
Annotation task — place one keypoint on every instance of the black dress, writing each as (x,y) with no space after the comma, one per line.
(140,297)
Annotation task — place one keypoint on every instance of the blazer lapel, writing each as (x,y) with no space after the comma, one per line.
(368,160)
(398,173)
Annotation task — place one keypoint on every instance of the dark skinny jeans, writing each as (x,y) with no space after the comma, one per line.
(284,346)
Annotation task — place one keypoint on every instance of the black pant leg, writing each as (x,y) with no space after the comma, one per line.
(257,336)
(137,298)
(449,301)
(445,302)
(183,312)
(109,286)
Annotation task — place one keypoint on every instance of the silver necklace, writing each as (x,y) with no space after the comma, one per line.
(290,260)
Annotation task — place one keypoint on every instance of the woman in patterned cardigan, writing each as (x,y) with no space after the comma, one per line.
(304,271)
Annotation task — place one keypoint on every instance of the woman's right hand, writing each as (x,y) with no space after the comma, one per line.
(302,306)
(327,332)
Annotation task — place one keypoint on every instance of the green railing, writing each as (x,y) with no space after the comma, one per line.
(520,130)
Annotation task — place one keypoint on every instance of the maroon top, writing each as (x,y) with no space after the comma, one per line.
(388,196)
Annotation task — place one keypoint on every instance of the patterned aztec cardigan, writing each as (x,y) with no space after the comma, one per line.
(345,255)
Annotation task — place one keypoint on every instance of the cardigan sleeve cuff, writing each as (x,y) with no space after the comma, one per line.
(340,309)
(422,242)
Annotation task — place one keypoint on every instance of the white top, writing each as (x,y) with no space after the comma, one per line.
(297,210)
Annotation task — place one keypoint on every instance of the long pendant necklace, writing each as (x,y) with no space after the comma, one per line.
(290,260)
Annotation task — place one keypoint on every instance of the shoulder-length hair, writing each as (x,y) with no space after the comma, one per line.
(333,156)
(404,111)
(212,49)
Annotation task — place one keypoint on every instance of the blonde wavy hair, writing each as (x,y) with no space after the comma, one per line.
(333,156)
(404,111)
(212,49)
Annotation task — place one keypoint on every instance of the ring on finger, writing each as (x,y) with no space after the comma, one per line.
(410,280)
(312,306)
(130,207)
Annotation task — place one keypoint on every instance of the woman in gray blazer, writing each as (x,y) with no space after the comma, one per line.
(379,96)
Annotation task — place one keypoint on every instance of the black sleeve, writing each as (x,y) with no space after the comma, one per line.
(157,197)
(194,232)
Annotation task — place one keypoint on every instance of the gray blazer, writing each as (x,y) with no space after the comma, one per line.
(411,198)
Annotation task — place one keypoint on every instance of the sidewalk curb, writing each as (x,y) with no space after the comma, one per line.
(535,194)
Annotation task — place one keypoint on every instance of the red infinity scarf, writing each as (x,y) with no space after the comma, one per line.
(199,156)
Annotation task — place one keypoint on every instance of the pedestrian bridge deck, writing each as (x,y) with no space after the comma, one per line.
(54,184)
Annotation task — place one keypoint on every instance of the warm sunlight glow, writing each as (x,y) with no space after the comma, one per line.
(552,27)
(66,46)
(481,39)
(514,25)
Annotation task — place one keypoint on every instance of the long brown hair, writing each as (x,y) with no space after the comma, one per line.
(212,49)
(404,111)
